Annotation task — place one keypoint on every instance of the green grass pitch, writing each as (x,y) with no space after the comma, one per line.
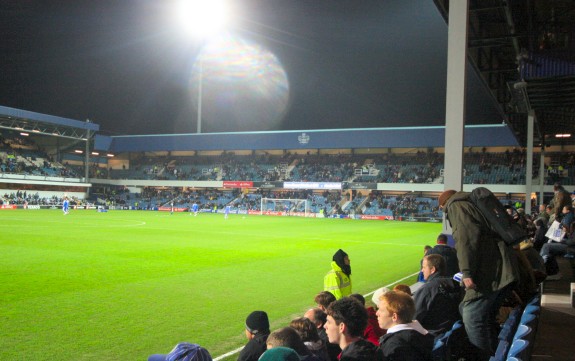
(125,284)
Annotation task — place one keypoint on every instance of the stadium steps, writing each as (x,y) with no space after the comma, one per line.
(555,333)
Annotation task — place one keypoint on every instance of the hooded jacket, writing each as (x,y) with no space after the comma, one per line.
(483,255)
(338,280)
(406,345)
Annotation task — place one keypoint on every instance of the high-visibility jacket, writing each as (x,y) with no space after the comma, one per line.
(337,282)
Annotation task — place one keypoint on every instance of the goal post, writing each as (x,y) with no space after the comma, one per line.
(278,206)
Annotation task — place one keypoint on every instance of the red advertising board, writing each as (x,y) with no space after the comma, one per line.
(238,184)
(8,206)
(176,209)
(379,218)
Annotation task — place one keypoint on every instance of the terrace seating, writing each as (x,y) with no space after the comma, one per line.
(517,335)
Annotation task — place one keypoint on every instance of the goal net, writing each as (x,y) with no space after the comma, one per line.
(286,207)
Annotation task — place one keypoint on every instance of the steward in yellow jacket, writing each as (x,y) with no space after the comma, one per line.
(338,279)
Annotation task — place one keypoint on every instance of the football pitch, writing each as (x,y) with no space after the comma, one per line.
(126,284)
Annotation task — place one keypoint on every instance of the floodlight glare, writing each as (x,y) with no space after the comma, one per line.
(202,18)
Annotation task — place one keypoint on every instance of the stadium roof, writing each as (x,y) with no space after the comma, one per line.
(525,54)
(401,137)
(37,123)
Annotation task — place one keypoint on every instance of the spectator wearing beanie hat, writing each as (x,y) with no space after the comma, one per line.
(257,332)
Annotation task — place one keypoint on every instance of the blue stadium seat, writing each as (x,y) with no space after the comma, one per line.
(534,309)
(523,332)
(501,351)
(528,319)
(519,349)
(535,300)
(457,325)
(510,325)
(531,319)
(446,344)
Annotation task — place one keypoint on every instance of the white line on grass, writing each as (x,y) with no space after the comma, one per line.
(233,352)
(388,244)
(389,285)
(228,354)
(363,242)
(89,225)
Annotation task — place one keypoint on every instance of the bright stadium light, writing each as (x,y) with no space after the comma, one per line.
(203,18)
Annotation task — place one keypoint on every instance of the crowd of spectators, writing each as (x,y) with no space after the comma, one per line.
(419,167)
(20,155)
(28,198)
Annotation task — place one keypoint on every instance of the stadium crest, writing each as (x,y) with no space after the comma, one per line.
(303,138)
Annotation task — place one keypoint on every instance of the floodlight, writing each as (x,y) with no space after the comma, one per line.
(202,18)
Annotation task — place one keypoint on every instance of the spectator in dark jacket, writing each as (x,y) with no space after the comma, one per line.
(448,253)
(489,269)
(539,239)
(257,332)
(437,301)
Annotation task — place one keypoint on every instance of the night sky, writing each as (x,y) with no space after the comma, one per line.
(294,65)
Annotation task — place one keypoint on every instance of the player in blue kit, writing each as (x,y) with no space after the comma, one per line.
(195,208)
(227,211)
(65,205)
